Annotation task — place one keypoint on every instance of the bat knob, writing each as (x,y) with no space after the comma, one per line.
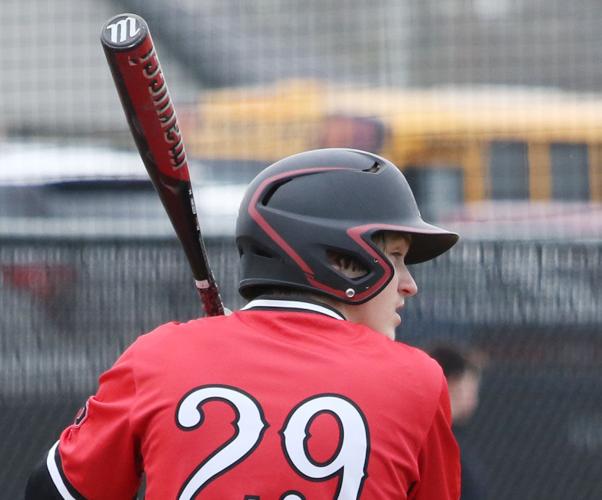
(124,32)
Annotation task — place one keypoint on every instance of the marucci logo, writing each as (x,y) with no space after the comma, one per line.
(157,88)
(123,30)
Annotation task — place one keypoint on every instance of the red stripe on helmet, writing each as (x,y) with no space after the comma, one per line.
(269,230)
(356,233)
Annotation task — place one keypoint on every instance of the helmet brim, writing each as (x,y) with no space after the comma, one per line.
(428,241)
(427,246)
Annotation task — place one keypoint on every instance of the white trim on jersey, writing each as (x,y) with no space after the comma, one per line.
(293,304)
(55,475)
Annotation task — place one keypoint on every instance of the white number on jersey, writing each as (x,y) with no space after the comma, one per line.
(349,462)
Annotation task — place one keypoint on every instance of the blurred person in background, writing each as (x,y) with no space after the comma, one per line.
(462,369)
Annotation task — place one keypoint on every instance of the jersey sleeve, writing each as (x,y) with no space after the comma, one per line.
(97,456)
(439,459)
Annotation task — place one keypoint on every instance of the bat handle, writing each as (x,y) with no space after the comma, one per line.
(210,297)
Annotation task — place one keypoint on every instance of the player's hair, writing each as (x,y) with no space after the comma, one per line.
(454,361)
(311,205)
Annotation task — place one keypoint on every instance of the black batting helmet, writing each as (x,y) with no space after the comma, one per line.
(328,200)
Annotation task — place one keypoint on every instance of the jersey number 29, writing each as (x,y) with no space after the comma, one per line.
(349,461)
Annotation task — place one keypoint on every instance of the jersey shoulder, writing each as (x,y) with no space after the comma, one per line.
(426,366)
(178,331)
(416,374)
(418,357)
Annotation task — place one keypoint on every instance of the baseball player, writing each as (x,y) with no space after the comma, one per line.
(301,394)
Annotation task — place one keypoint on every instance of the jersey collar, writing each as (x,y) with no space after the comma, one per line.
(270,303)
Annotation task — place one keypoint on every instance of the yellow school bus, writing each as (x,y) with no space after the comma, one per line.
(498,143)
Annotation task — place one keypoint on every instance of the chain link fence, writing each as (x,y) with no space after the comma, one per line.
(56,82)
(70,308)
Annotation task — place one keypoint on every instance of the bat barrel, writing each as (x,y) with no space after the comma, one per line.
(143,91)
(152,119)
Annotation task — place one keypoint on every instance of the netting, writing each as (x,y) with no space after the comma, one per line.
(56,82)
(492,108)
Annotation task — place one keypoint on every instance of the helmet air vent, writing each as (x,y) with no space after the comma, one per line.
(272,191)
(374,169)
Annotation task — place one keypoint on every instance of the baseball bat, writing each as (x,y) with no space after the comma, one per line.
(152,120)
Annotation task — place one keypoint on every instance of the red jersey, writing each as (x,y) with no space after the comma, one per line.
(281,400)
